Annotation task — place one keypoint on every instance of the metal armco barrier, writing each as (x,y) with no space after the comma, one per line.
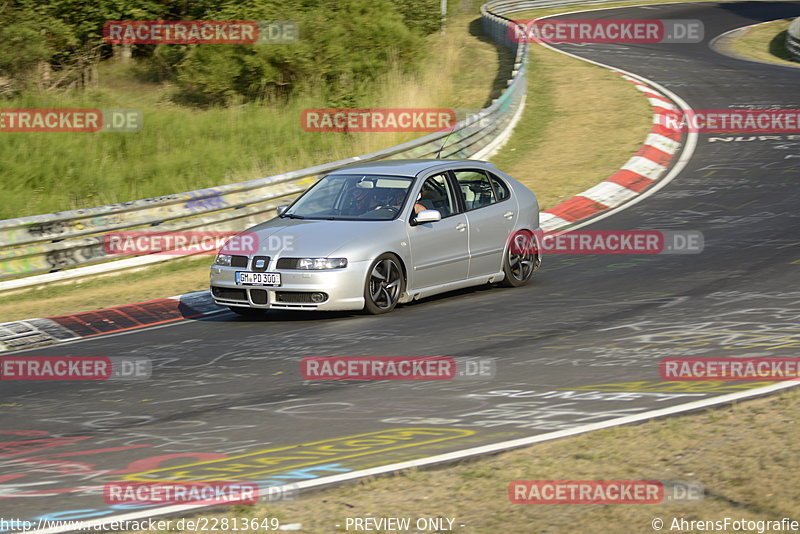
(793,39)
(56,246)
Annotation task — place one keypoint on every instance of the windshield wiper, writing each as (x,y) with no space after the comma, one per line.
(292,216)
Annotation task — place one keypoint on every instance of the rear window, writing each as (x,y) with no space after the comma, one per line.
(500,187)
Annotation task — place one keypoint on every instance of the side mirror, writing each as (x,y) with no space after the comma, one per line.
(427,216)
(282,209)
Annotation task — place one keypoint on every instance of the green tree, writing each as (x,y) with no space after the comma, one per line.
(343,44)
(28,41)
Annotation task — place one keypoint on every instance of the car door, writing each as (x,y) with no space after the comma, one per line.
(491,215)
(439,250)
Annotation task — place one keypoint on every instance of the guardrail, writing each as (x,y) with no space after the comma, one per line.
(793,39)
(45,248)
(503,7)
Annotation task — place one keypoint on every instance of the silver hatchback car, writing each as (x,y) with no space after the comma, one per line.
(373,235)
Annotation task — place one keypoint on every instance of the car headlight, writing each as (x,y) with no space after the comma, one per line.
(321,263)
(223,259)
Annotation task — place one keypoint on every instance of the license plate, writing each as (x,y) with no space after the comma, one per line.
(258,279)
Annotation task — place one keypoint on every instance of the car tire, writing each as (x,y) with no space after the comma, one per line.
(519,265)
(247,312)
(384,285)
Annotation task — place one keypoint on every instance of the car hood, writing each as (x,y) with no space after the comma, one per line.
(321,238)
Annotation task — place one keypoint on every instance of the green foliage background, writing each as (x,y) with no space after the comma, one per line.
(343,44)
(212,113)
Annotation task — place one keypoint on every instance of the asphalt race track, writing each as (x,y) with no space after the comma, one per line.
(579,345)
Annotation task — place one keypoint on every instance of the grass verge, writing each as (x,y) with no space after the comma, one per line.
(765,43)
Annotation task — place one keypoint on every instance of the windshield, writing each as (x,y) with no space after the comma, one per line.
(352,196)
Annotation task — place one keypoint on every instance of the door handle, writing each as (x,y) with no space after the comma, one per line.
(461,227)
(508,214)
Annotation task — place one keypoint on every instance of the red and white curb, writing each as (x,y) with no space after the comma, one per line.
(644,169)
(29,333)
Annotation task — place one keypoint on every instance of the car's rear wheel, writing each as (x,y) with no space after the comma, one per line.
(384,285)
(519,263)
(246,312)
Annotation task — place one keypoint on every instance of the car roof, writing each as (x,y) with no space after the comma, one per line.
(405,167)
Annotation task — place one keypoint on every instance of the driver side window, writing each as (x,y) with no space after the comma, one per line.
(436,194)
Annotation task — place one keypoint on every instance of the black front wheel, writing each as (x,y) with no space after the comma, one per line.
(384,285)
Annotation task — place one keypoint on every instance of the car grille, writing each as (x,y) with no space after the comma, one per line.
(228,293)
(239,261)
(258,296)
(287,263)
(295,297)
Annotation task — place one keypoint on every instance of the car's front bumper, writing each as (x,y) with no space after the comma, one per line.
(344,289)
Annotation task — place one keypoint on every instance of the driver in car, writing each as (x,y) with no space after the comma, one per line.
(393,201)
(425,200)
